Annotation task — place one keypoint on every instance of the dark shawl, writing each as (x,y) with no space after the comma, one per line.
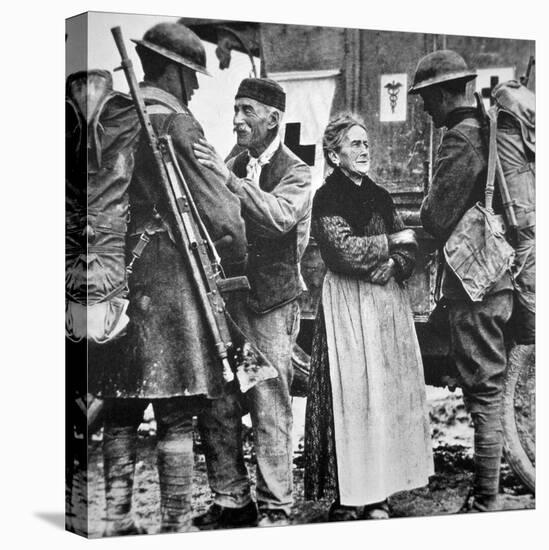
(339,196)
(349,223)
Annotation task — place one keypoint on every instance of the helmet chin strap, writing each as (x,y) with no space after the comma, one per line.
(184,94)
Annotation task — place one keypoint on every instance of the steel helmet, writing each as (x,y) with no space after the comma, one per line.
(438,67)
(178,43)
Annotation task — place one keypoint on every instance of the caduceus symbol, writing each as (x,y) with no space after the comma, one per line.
(393,89)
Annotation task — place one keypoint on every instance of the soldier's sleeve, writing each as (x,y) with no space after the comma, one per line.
(219,208)
(455,174)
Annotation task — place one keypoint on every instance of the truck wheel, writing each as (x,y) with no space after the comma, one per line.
(519,414)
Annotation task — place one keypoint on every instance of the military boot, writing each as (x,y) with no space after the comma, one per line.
(175,473)
(487,460)
(119,454)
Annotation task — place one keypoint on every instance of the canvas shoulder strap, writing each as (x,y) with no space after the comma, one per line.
(492,161)
(495,170)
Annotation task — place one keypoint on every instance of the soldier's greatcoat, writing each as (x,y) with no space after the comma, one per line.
(167,351)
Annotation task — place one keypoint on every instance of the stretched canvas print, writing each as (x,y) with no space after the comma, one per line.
(300,274)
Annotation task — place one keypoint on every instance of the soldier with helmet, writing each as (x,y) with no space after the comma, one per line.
(165,357)
(476,328)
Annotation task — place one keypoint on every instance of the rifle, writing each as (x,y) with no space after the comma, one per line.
(495,169)
(198,250)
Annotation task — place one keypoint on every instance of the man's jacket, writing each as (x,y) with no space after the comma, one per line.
(459,180)
(277,215)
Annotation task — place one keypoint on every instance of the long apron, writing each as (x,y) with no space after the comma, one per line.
(381,424)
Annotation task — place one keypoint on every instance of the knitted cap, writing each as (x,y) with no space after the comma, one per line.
(264,90)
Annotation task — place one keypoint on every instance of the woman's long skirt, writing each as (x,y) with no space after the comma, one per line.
(381,436)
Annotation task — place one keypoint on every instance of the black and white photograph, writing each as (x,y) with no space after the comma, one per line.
(300,274)
(298,253)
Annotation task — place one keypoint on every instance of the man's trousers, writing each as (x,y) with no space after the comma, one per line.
(269,404)
(478,349)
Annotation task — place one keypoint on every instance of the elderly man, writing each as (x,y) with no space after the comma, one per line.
(166,357)
(477,328)
(274,188)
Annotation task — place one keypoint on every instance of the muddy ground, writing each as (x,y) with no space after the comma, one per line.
(452,443)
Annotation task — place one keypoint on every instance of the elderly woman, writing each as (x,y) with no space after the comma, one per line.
(366,429)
